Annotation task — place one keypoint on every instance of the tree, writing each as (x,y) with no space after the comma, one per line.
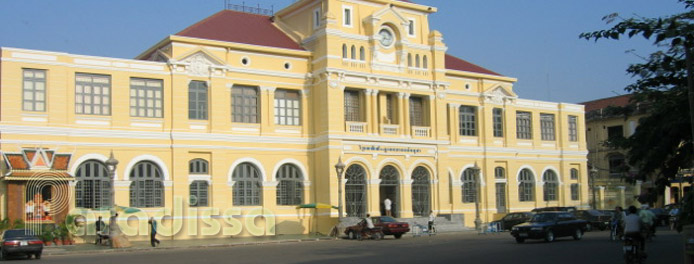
(663,141)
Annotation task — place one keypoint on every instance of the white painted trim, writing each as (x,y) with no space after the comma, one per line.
(253,161)
(361,161)
(298,164)
(146,157)
(199,177)
(92,156)
(424,163)
(556,172)
(351,16)
(535,176)
(392,162)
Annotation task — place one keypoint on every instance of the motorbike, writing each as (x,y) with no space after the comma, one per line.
(632,250)
(375,233)
(673,222)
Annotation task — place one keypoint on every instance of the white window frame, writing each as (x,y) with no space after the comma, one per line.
(347,21)
(316,17)
(411,28)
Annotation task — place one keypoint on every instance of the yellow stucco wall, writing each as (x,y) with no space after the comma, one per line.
(322,76)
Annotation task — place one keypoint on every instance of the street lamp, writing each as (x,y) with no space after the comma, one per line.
(339,168)
(476,171)
(593,175)
(111,164)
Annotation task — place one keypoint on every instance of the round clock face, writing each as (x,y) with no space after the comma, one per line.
(386,37)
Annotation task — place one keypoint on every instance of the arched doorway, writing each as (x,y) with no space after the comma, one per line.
(421,192)
(355,191)
(390,179)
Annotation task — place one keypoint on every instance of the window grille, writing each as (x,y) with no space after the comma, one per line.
(34,90)
(247,189)
(92,94)
(421,192)
(93,188)
(290,190)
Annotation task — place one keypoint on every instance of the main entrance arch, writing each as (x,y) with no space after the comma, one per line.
(355,191)
(390,181)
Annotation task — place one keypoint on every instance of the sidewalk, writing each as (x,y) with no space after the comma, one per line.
(141,246)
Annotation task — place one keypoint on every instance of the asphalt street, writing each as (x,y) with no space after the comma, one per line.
(443,248)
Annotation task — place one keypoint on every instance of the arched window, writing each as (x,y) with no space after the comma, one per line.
(389,187)
(199,195)
(574,174)
(93,188)
(362,54)
(198,166)
(409,60)
(247,185)
(354,52)
(344,51)
(499,173)
(421,194)
(416,61)
(469,186)
(355,191)
(290,190)
(425,62)
(617,165)
(147,186)
(526,186)
(551,185)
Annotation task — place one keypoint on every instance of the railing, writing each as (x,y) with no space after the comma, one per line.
(249,9)
(390,129)
(421,131)
(356,127)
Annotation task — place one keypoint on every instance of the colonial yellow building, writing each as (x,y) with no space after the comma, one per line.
(243,115)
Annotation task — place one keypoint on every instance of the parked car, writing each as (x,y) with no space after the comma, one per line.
(554,209)
(511,219)
(387,224)
(662,217)
(390,226)
(548,226)
(20,242)
(595,219)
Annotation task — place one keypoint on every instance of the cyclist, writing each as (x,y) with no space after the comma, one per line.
(618,222)
(633,227)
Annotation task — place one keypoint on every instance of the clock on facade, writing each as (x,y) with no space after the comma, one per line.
(386,37)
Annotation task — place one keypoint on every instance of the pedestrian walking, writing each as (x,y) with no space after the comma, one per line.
(99,225)
(387,203)
(432,216)
(152,235)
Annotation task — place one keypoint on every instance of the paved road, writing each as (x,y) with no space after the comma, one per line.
(453,248)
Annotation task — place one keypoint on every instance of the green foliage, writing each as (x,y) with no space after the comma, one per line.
(662,143)
(686,215)
(4,224)
(18,224)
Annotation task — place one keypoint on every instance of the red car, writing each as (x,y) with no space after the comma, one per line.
(390,226)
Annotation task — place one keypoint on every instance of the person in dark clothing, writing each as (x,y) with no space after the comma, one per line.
(153,233)
(99,225)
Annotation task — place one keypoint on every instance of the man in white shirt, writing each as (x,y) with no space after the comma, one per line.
(387,203)
(369,223)
(432,216)
(632,227)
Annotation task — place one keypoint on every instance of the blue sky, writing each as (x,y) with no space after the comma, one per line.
(535,41)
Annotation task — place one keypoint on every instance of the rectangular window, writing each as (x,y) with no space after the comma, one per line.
(468,120)
(347,16)
(416,111)
(34,90)
(390,109)
(287,107)
(410,28)
(316,18)
(245,104)
(498,116)
(574,174)
(524,128)
(146,98)
(547,127)
(352,106)
(92,94)
(575,192)
(573,128)
(197,100)
(615,132)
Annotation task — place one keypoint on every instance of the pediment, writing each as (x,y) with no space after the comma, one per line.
(200,62)
(385,13)
(499,94)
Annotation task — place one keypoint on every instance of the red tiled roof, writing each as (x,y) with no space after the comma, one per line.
(239,27)
(621,100)
(17,161)
(454,63)
(61,161)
